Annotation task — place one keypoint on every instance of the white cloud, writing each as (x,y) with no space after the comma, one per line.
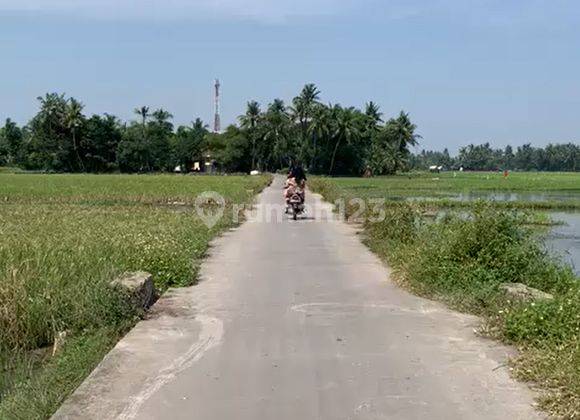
(261,10)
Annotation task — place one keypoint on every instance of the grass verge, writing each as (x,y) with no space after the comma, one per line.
(462,260)
(63,238)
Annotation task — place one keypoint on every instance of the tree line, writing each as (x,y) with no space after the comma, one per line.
(482,157)
(61,138)
(326,138)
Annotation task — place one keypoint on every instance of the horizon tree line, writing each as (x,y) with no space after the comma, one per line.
(328,139)
(564,157)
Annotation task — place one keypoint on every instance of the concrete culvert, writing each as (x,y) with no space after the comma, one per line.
(139,285)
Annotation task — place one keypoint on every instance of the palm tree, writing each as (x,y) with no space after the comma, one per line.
(373,115)
(73,120)
(401,134)
(199,125)
(276,126)
(304,103)
(249,121)
(143,112)
(310,93)
(52,107)
(319,128)
(278,107)
(405,132)
(347,129)
(161,116)
(303,108)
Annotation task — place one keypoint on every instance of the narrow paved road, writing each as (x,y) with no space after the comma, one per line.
(299,321)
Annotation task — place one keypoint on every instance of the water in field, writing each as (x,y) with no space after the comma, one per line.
(519,196)
(564,240)
(535,197)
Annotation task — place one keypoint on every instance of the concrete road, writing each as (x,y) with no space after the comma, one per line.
(299,321)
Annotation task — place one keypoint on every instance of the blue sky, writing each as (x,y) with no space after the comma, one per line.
(467,71)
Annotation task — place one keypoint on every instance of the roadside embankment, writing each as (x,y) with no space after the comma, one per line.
(466,260)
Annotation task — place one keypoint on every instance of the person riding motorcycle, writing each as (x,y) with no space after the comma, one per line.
(298,174)
(296,179)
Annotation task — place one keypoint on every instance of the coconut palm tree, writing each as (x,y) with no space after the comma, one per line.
(278,107)
(347,129)
(319,128)
(405,132)
(143,112)
(53,109)
(249,121)
(161,116)
(302,110)
(161,119)
(276,128)
(304,104)
(74,119)
(373,115)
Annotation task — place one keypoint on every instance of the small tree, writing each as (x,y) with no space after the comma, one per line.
(188,144)
(100,142)
(11,143)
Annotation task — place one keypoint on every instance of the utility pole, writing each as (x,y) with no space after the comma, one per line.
(216,121)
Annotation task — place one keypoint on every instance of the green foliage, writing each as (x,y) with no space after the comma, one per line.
(231,150)
(556,320)
(48,146)
(463,258)
(188,145)
(132,152)
(249,122)
(38,396)
(63,238)
(99,143)
(482,157)
(11,138)
(472,256)
(146,146)
(327,139)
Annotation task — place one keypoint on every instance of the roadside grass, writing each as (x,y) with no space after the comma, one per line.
(63,238)
(462,259)
(39,395)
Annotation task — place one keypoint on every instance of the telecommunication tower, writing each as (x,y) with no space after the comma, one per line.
(216,121)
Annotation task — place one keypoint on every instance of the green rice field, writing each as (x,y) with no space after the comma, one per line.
(63,238)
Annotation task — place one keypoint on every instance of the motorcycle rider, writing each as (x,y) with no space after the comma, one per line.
(296,178)
(297,172)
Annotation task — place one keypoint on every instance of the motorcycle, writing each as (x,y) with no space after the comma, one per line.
(297,202)
(294,198)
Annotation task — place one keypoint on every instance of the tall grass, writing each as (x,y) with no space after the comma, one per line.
(63,238)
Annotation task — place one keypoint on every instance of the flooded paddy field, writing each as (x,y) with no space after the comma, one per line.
(555,195)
